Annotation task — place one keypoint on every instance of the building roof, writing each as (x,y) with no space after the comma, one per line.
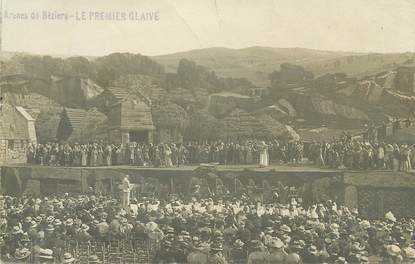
(75,116)
(118,92)
(24,113)
(123,93)
(82,124)
(14,123)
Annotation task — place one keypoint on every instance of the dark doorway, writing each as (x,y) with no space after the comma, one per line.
(138,136)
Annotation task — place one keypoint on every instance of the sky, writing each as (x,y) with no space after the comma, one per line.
(179,25)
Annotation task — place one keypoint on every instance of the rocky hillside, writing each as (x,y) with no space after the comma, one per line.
(206,91)
(256,63)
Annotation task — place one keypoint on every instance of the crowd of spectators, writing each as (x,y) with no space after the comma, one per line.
(361,155)
(200,231)
(161,155)
(339,153)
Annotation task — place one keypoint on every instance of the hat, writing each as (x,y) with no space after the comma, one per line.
(46,254)
(22,253)
(312,250)
(40,235)
(84,227)
(25,238)
(185,233)
(314,215)
(409,229)
(340,260)
(334,226)
(151,226)
(93,259)
(297,244)
(17,230)
(57,222)
(268,230)
(50,219)
(285,228)
(68,222)
(68,258)
(217,247)
(409,253)
(356,247)
(301,228)
(167,243)
(33,224)
(238,244)
(50,228)
(365,224)
(389,216)
(393,250)
(276,243)
(364,259)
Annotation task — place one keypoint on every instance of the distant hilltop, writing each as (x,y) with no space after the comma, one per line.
(256,63)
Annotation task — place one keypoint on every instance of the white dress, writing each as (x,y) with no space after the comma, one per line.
(126,189)
(263,157)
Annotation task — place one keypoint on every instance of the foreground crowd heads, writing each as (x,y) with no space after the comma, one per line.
(68,229)
(340,153)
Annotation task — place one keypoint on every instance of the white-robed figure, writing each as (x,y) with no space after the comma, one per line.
(126,190)
(263,155)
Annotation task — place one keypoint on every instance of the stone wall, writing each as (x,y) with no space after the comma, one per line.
(373,193)
(377,192)
(46,180)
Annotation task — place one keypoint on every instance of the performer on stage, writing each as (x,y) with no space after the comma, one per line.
(126,189)
(263,155)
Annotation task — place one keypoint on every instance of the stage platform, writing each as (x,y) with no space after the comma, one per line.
(373,191)
(277,167)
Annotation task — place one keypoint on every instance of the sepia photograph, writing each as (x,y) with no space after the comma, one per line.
(207,131)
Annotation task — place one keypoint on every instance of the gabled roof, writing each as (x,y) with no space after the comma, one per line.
(118,92)
(24,113)
(123,93)
(11,124)
(75,117)
(82,123)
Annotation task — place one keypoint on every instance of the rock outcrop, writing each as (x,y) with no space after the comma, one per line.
(73,90)
(405,79)
(221,104)
(316,107)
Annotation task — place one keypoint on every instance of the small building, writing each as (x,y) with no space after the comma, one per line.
(79,125)
(129,115)
(17,130)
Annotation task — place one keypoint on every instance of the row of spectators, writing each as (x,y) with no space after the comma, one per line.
(201,231)
(364,155)
(160,155)
(338,153)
